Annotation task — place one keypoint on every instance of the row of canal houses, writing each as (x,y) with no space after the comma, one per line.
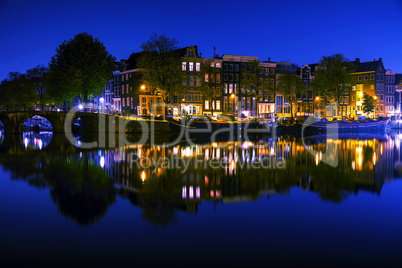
(125,94)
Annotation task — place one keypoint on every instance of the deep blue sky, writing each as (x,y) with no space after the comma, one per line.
(300,31)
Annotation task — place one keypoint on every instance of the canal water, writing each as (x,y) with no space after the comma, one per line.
(322,201)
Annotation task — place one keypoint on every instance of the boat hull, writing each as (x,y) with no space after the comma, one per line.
(207,128)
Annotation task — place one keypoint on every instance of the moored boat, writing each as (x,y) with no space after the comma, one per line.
(321,125)
(206,126)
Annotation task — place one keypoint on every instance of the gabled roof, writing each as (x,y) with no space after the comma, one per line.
(366,66)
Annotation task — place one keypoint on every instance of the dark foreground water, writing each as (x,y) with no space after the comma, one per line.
(324,201)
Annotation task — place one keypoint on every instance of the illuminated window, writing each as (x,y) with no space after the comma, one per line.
(218,78)
(126,77)
(197,67)
(206,78)
(218,65)
(230,88)
(225,88)
(184,66)
(206,105)
(191,66)
(218,104)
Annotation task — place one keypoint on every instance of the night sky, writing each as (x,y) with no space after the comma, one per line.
(299,31)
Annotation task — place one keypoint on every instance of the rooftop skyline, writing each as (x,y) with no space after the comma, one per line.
(299,32)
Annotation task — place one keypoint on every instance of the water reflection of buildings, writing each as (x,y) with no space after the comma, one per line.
(362,165)
(366,163)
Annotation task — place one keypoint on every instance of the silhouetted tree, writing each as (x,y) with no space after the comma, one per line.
(289,85)
(333,77)
(160,65)
(80,68)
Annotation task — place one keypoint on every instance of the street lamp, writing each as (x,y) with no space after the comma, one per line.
(142,87)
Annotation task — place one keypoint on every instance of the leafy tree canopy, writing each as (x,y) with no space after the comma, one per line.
(160,65)
(289,85)
(333,77)
(80,68)
(369,103)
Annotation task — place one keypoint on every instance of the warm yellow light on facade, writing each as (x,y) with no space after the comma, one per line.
(361,94)
(233,95)
(317,98)
(183,99)
(142,87)
(375,97)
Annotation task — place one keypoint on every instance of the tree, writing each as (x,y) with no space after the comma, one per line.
(37,82)
(289,85)
(369,103)
(160,66)
(16,92)
(333,77)
(80,68)
(209,87)
(252,83)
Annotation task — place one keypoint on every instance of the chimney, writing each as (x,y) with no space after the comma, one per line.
(358,60)
(269,59)
(380,59)
(214,52)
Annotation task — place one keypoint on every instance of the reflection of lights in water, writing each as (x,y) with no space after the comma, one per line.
(218,153)
(206,180)
(80,154)
(102,161)
(381,149)
(143,176)
(139,152)
(316,159)
(197,192)
(272,151)
(191,192)
(100,152)
(184,192)
(40,144)
(175,150)
(353,165)
(214,144)
(374,158)
(233,165)
(320,156)
(206,154)
(188,152)
(212,193)
(26,142)
(217,193)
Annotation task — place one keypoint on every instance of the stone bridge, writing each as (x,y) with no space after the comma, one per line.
(90,122)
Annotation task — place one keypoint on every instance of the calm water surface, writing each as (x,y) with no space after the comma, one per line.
(323,201)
